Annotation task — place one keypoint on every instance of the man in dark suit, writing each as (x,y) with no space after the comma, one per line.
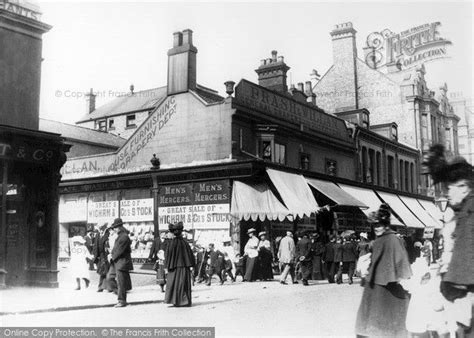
(122,260)
(303,256)
(329,258)
(349,258)
(215,260)
(90,244)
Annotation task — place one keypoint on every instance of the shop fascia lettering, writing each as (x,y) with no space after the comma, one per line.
(18,8)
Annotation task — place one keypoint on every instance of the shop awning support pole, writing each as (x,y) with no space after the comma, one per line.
(155,190)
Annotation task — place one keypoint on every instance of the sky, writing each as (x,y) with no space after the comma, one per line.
(110,45)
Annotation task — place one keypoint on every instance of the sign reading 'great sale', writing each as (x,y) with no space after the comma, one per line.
(198,205)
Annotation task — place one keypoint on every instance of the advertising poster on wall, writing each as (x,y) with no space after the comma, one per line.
(204,205)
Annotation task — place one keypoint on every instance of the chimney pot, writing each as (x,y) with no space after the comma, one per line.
(308,89)
(229,87)
(188,37)
(274,55)
(263,62)
(300,87)
(281,59)
(269,60)
(177,39)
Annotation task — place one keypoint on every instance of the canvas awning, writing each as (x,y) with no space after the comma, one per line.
(335,193)
(401,210)
(433,211)
(256,201)
(295,192)
(420,212)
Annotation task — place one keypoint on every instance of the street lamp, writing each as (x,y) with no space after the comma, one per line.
(442,203)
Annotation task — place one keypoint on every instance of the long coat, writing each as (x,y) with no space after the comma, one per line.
(101,252)
(459,271)
(303,248)
(122,252)
(337,252)
(349,252)
(329,253)
(384,304)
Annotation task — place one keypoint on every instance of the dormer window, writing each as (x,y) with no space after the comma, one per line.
(365,120)
(394,132)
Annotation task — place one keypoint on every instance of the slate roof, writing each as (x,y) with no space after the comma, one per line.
(79,133)
(142,100)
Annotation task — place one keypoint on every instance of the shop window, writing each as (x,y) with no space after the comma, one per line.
(131,121)
(111,124)
(304,161)
(280,153)
(102,125)
(331,167)
(267,150)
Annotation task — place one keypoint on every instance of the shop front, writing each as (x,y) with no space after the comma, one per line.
(29,177)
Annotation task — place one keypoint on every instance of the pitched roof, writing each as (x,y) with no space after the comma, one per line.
(73,132)
(208,95)
(142,100)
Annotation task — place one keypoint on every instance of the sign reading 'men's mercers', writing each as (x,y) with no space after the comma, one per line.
(21,8)
(204,205)
(406,49)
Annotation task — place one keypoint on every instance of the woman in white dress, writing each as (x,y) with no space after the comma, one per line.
(78,264)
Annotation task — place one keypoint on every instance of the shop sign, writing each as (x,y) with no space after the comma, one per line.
(102,212)
(429,232)
(201,205)
(131,156)
(140,210)
(280,106)
(20,8)
(74,210)
(407,49)
(20,151)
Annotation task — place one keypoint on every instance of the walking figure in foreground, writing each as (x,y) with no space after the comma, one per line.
(179,261)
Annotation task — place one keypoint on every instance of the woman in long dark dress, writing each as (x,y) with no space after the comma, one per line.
(265,258)
(384,304)
(178,261)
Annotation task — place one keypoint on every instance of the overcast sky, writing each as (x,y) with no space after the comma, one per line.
(110,45)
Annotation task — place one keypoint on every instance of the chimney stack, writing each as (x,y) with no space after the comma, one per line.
(182,63)
(272,73)
(308,91)
(90,101)
(345,64)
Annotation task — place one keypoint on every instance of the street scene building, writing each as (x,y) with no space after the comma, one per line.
(302,187)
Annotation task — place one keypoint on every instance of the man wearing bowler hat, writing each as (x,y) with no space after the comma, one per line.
(122,259)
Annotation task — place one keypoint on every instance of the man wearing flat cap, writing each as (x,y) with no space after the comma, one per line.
(122,261)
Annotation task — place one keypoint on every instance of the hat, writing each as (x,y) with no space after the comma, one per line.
(117,222)
(262,233)
(383,215)
(458,169)
(251,230)
(178,226)
(363,235)
(78,239)
(103,226)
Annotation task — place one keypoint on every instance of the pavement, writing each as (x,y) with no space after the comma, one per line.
(257,309)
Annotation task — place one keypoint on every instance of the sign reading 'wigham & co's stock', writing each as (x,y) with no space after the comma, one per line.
(201,205)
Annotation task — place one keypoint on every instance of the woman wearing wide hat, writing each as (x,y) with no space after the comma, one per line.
(251,253)
(265,257)
(384,303)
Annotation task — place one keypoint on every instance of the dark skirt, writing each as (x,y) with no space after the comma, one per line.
(318,269)
(382,311)
(265,271)
(178,287)
(160,274)
(250,269)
